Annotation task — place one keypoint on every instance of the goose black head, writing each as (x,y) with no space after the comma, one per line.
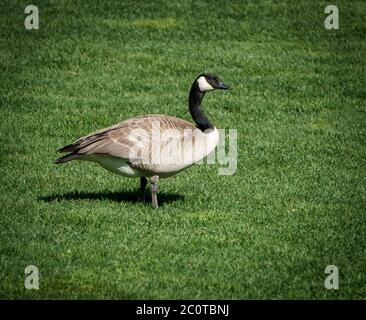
(208,82)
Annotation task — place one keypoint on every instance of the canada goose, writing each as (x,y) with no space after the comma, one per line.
(152,145)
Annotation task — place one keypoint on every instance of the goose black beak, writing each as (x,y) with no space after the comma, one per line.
(223,86)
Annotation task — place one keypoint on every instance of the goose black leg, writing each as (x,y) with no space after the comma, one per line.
(143,183)
(154,191)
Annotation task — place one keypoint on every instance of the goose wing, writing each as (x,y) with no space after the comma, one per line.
(129,139)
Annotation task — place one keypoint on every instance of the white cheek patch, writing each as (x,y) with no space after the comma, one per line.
(204,85)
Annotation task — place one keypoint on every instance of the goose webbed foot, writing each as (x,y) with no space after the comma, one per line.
(154,191)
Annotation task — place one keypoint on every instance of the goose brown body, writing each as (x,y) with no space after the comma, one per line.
(144,146)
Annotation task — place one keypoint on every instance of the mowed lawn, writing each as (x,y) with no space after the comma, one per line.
(295,205)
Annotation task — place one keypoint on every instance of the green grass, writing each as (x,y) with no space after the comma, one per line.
(295,205)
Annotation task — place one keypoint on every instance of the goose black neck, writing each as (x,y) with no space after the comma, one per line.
(195,98)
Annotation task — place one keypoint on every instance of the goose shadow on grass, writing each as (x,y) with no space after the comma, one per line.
(132,196)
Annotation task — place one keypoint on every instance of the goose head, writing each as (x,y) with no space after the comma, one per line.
(208,82)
